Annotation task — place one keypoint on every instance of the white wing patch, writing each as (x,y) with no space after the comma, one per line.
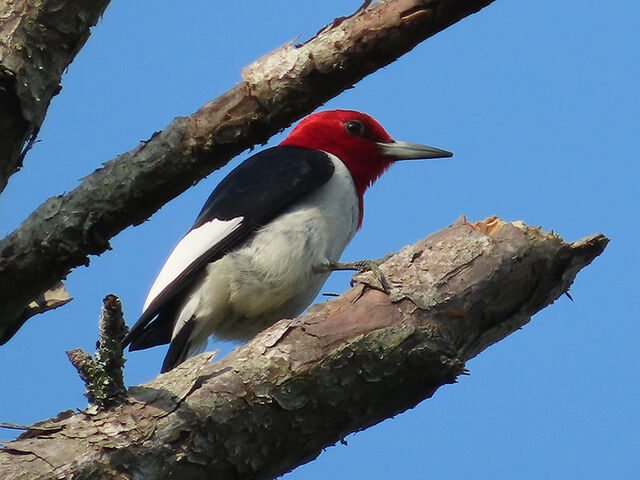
(189,249)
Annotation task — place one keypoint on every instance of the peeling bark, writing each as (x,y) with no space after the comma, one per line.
(57,296)
(49,300)
(277,89)
(38,41)
(304,384)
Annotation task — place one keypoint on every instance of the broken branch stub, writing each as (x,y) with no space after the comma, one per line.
(103,375)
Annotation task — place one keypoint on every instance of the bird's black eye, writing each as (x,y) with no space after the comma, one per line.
(355,128)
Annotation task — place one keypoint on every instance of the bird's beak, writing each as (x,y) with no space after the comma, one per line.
(407,151)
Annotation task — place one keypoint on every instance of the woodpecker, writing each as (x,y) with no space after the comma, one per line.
(269,235)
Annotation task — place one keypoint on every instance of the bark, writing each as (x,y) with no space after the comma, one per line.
(38,41)
(277,89)
(304,384)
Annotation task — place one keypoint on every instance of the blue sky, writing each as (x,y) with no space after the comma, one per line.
(538,100)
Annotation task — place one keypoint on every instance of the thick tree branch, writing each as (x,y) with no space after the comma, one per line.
(277,89)
(38,41)
(304,384)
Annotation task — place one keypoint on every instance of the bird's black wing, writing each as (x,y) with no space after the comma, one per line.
(257,190)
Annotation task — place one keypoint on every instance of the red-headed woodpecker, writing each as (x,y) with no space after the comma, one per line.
(269,235)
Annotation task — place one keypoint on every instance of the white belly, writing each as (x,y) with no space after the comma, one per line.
(273,274)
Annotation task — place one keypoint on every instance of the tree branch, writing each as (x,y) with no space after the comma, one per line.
(38,41)
(304,384)
(277,89)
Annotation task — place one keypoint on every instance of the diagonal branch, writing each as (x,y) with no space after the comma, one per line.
(38,41)
(304,384)
(277,89)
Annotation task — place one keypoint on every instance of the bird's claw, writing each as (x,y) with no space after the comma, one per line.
(372,266)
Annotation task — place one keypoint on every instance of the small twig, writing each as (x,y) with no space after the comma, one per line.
(103,375)
(13,426)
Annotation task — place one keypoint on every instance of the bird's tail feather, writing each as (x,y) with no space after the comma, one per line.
(184,345)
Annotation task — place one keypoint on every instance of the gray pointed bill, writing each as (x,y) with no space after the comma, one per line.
(408,151)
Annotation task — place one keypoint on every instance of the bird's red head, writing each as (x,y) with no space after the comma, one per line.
(351,136)
(360,142)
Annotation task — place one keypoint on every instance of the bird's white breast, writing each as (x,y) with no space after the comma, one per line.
(274,274)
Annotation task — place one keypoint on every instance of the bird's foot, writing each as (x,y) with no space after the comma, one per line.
(372,266)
